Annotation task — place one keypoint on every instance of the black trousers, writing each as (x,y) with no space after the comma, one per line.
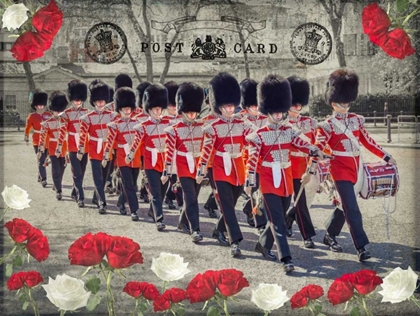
(170,195)
(228,196)
(300,213)
(190,211)
(122,198)
(275,231)
(129,178)
(350,214)
(111,170)
(78,168)
(158,190)
(42,171)
(259,220)
(99,175)
(211,201)
(57,167)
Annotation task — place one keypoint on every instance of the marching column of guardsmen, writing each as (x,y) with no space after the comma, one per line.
(155,130)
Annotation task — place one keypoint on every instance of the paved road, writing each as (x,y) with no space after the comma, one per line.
(63,222)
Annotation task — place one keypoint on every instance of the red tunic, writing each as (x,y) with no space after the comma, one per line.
(151,133)
(94,124)
(346,151)
(208,120)
(34,121)
(71,117)
(121,133)
(51,129)
(270,147)
(186,139)
(226,137)
(307,128)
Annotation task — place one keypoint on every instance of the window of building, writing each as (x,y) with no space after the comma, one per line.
(10,102)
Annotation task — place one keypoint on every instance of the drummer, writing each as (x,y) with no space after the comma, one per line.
(344,132)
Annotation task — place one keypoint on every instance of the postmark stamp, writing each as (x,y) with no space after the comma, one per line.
(105,43)
(311,43)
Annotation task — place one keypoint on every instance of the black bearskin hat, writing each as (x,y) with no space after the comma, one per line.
(140,91)
(300,90)
(124,97)
(189,98)
(99,91)
(123,80)
(248,92)
(95,82)
(58,101)
(39,97)
(77,90)
(342,87)
(155,95)
(224,89)
(111,93)
(274,95)
(172,87)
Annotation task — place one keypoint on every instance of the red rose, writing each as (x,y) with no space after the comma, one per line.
(38,246)
(135,289)
(86,251)
(175,295)
(299,300)
(313,291)
(16,281)
(397,44)
(29,46)
(102,241)
(123,253)
(341,290)
(366,281)
(161,304)
(201,288)
(33,278)
(48,20)
(375,22)
(231,282)
(19,229)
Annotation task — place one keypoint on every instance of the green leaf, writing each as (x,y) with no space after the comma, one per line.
(9,269)
(140,314)
(25,306)
(181,311)
(143,307)
(22,298)
(18,261)
(94,300)
(87,270)
(355,312)
(318,308)
(213,311)
(401,5)
(93,284)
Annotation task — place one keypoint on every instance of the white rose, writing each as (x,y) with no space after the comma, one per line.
(169,267)
(399,285)
(15,197)
(67,293)
(14,16)
(269,297)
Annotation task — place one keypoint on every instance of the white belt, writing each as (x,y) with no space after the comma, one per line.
(232,155)
(94,138)
(121,145)
(73,134)
(184,154)
(346,153)
(37,131)
(159,150)
(53,140)
(283,165)
(298,154)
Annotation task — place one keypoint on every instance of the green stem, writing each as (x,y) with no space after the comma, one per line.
(415,301)
(135,307)
(365,307)
(9,254)
(5,211)
(416,11)
(164,287)
(311,309)
(34,307)
(110,296)
(62,312)
(266,313)
(225,308)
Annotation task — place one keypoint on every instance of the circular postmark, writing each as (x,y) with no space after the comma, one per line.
(311,43)
(105,43)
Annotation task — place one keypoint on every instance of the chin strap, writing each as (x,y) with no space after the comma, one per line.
(294,111)
(274,120)
(341,107)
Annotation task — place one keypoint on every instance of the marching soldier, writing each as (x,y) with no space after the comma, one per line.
(344,132)
(39,99)
(77,95)
(51,129)
(250,112)
(269,148)
(307,128)
(94,124)
(225,138)
(151,133)
(121,132)
(185,138)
